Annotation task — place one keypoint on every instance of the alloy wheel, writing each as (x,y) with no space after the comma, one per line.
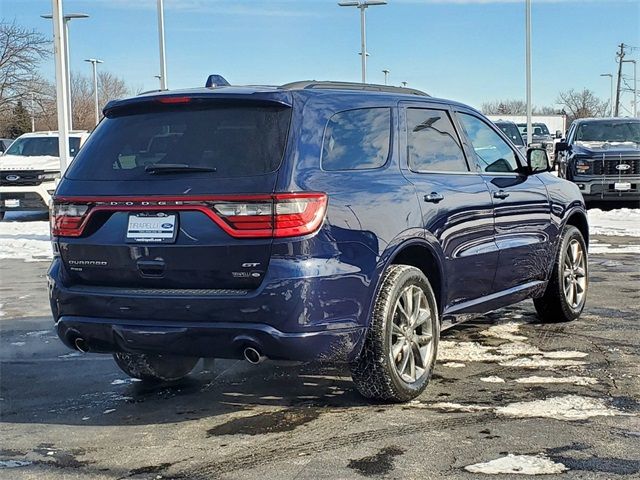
(411,334)
(574,274)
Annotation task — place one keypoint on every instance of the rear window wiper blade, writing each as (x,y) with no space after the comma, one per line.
(176,168)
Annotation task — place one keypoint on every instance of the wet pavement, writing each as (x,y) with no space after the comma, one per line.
(564,394)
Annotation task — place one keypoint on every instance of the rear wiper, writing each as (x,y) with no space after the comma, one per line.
(176,168)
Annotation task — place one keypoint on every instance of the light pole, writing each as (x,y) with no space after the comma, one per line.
(61,83)
(163,60)
(33,115)
(635,87)
(94,63)
(362,5)
(611,92)
(404,84)
(65,40)
(528,69)
(386,75)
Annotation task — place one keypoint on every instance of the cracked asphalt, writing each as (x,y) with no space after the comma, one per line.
(66,415)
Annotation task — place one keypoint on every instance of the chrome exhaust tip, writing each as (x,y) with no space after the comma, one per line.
(253,356)
(81,345)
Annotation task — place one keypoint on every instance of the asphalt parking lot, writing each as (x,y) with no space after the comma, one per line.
(566,394)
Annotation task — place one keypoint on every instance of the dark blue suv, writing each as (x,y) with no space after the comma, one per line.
(313,221)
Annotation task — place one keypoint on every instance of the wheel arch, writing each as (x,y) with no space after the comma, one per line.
(424,255)
(578,218)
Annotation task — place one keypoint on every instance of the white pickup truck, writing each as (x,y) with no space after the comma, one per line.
(29,170)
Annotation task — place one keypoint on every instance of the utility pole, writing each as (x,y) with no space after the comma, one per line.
(620,56)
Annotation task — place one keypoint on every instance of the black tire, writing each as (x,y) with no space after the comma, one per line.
(155,368)
(554,306)
(375,372)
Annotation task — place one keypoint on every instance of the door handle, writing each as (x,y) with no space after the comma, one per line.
(151,268)
(500,194)
(433,197)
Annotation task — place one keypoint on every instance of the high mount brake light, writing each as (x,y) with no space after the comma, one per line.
(172,100)
(251,216)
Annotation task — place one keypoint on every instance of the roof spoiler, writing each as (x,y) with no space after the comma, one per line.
(216,81)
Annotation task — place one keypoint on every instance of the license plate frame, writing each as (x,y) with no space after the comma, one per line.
(152,227)
(622,186)
(12,203)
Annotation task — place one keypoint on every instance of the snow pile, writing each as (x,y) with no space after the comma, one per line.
(576,380)
(13,463)
(28,241)
(518,464)
(492,379)
(598,248)
(622,221)
(567,407)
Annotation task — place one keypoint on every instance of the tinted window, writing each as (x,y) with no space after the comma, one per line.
(492,152)
(357,139)
(41,146)
(432,142)
(511,131)
(236,141)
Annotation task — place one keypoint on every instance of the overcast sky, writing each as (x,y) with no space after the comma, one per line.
(467,50)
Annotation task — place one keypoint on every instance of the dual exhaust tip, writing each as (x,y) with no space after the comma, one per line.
(251,355)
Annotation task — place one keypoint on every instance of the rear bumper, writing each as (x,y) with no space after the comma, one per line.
(220,340)
(302,311)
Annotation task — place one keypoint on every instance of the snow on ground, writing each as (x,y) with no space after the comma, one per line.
(518,464)
(25,240)
(619,222)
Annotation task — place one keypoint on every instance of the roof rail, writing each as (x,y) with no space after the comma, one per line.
(371,87)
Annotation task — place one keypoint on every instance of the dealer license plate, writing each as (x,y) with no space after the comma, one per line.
(151,228)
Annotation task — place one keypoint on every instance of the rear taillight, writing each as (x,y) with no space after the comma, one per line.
(285,215)
(254,216)
(68,219)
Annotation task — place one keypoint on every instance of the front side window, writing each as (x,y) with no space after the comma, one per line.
(432,142)
(493,154)
(357,139)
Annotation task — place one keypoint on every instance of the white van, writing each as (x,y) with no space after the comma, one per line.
(29,170)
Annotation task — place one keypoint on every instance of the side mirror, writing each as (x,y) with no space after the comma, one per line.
(558,134)
(562,146)
(537,160)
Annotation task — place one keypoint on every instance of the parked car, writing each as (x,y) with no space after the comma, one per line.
(4,144)
(29,170)
(540,137)
(510,129)
(315,221)
(602,156)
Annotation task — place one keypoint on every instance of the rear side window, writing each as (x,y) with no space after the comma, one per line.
(357,139)
(235,141)
(432,142)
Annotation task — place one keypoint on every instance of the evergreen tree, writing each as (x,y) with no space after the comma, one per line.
(20,121)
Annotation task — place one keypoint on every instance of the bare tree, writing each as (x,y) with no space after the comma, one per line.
(505,107)
(21,51)
(581,104)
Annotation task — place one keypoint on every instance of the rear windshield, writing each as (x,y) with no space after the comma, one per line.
(232,141)
(511,131)
(41,146)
